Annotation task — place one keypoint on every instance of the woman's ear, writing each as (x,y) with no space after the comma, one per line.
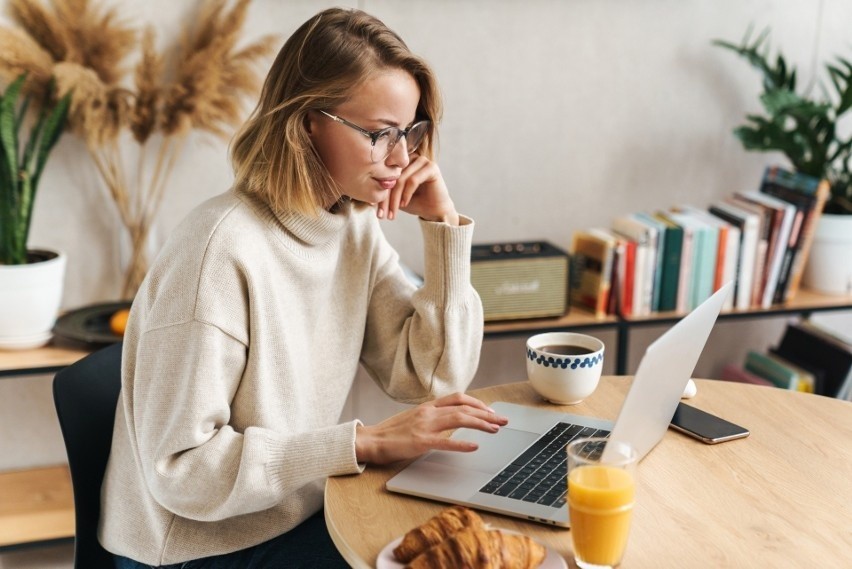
(308,122)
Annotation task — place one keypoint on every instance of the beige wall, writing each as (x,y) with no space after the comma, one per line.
(559,115)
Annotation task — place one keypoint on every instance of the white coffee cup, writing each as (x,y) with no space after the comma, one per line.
(564,367)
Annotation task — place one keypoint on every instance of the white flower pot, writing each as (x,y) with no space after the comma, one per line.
(30,296)
(829,268)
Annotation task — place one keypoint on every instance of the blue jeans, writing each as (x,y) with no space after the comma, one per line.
(306,546)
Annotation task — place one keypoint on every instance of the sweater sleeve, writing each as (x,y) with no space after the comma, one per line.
(425,343)
(196,463)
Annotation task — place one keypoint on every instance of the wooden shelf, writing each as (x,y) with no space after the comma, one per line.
(36,505)
(49,359)
(805,301)
(575,318)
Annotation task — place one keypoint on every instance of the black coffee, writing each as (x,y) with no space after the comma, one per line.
(565,350)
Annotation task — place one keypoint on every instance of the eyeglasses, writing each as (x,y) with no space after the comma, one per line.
(383,141)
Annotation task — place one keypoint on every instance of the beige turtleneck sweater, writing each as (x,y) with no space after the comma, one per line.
(241,348)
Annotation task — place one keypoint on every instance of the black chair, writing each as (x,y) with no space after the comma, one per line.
(85,395)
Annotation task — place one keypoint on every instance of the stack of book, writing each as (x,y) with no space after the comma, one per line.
(673,260)
(809,358)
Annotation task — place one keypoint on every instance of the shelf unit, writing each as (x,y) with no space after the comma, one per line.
(806,303)
(36,506)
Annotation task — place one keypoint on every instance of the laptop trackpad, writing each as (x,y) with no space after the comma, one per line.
(495,450)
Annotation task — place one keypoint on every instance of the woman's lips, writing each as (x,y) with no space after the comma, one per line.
(386,183)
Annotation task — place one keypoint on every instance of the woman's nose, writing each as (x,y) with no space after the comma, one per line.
(399,156)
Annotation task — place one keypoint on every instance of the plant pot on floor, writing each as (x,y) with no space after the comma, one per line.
(829,268)
(30,295)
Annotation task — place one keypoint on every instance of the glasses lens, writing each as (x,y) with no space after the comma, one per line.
(384,144)
(416,135)
(389,138)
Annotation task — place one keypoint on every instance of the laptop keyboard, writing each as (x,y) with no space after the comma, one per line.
(538,475)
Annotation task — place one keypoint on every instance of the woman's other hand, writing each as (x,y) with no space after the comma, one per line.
(419,429)
(421,191)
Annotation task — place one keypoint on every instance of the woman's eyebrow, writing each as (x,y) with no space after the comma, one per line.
(394,123)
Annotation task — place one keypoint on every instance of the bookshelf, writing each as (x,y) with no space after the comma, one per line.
(43,512)
(805,303)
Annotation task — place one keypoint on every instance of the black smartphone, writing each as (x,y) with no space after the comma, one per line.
(704,426)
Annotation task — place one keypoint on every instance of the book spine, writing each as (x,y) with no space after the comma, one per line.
(808,231)
(673,250)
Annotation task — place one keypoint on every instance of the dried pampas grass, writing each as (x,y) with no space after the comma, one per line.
(199,85)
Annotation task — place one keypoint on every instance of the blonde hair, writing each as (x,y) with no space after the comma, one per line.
(317,69)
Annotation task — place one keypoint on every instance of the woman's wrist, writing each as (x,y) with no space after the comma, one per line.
(363,444)
(450,218)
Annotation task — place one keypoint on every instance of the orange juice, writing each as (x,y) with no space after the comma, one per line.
(600,501)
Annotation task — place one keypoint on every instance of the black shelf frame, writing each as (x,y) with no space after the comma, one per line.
(623,326)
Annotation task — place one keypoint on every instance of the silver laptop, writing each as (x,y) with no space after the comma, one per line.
(520,471)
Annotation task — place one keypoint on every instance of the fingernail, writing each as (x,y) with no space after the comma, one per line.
(390,215)
(494,428)
(491,410)
(380,213)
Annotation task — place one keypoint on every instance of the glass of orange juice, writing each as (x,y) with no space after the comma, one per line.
(601,490)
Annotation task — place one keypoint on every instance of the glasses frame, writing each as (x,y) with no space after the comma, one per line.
(374,135)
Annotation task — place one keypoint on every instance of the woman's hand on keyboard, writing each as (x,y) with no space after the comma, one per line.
(419,429)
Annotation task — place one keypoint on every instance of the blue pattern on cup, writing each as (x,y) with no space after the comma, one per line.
(550,361)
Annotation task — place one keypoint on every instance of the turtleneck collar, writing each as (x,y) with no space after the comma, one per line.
(311,231)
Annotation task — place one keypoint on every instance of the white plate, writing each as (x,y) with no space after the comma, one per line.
(387,561)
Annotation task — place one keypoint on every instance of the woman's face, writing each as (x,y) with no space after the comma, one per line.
(387,99)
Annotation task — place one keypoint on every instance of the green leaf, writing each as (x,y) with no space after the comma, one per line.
(8,130)
(53,128)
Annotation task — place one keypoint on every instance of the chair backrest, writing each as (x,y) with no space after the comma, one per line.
(86,395)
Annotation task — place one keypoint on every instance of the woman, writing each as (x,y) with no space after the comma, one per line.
(246,335)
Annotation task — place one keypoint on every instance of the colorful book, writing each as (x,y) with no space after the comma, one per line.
(644,237)
(769,368)
(672,253)
(764,230)
(783,214)
(748,225)
(803,342)
(805,380)
(705,239)
(658,246)
(809,195)
(591,257)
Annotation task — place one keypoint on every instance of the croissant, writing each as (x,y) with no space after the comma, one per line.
(482,549)
(434,531)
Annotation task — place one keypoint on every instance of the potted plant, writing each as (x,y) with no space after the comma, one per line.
(30,279)
(804,128)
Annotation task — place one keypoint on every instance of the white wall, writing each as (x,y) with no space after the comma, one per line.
(559,115)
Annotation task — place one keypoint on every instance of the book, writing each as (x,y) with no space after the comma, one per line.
(620,299)
(769,368)
(804,343)
(658,246)
(748,225)
(685,280)
(764,226)
(733,372)
(809,195)
(672,253)
(645,238)
(591,260)
(727,250)
(805,381)
(814,370)
(705,244)
(783,214)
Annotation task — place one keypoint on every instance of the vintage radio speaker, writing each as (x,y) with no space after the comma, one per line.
(520,280)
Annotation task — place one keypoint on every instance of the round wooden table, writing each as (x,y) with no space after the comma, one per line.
(781,497)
